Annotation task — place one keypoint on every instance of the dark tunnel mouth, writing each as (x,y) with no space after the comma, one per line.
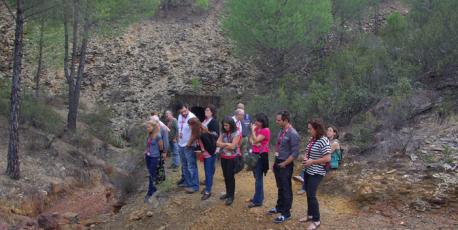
(199,112)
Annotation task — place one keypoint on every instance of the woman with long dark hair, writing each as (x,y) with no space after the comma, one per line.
(228,143)
(205,144)
(210,121)
(315,159)
(260,138)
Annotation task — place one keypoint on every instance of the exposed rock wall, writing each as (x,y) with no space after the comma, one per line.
(146,67)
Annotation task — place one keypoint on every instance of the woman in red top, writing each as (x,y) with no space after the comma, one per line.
(260,137)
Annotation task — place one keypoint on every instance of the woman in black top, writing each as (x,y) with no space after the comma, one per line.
(206,145)
(210,121)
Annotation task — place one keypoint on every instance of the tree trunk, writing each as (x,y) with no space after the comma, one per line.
(40,59)
(75,75)
(12,169)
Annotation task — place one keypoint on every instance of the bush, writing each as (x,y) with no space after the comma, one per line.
(100,126)
(203,4)
(279,35)
(40,115)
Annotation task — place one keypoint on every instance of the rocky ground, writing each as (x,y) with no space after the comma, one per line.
(176,210)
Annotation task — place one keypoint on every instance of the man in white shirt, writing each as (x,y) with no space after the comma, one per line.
(238,119)
(189,174)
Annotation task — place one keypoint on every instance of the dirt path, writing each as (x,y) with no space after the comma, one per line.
(177,210)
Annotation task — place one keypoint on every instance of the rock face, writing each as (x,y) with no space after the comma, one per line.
(6,40)
(144,69)
(413,157)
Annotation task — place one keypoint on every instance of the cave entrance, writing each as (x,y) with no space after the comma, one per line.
(196,103)
(199,112)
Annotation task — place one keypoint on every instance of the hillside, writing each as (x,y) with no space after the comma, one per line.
(400,167)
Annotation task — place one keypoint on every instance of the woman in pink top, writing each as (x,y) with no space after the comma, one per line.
(260,138)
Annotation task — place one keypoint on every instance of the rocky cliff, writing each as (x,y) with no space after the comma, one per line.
(142,70)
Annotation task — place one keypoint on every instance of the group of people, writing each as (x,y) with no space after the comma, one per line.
(189,139)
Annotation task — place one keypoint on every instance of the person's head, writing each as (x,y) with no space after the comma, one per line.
(315,128)
(169,115)
(239,114)
(283,118)
(332,133)
(240,106)
(210,111)
(196,128)
(152,127)
(228,125)
(155,118)
(262,121)
(154,113)
(183,109)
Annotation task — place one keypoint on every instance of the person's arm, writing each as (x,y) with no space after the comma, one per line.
(325,151)
(234,144)
(161,145)
(334,146)
(165,139)
(220,143)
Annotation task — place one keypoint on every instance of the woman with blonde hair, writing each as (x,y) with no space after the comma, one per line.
(154,149)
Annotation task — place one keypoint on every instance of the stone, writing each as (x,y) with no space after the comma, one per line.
(149,214)
(391,171)
(136,215)
(48,221)
(71,217)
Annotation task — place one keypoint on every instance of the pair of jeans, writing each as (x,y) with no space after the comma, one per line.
(258,173)
(189,167)
(311,183)
(228,166)
(174,155)
(209,167)
(285,194)
(151,165)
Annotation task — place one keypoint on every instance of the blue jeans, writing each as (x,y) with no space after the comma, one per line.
(258,197)
(183,162)
(189,167)
(151,165)
(209,166)
(174,155)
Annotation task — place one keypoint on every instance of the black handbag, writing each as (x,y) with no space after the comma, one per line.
(251,160)
(160,171)
(238,164)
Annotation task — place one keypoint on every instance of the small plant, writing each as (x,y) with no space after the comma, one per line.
(166,185)
(203,4)
(448,154)
(196,84)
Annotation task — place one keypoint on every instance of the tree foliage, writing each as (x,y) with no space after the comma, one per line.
(278,34)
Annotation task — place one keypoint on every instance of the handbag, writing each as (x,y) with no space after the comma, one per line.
(251,160)
(238,164)
(160,171)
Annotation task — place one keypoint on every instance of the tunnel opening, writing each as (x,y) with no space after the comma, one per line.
(199,112)
(196,103)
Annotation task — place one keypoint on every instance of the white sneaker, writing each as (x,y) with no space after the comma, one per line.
(298,178)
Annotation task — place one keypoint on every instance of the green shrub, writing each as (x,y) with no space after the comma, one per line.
(37,113)
(100,125)
(33,111)
(203,4)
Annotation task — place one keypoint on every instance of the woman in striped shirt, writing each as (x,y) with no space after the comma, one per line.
(315,159)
